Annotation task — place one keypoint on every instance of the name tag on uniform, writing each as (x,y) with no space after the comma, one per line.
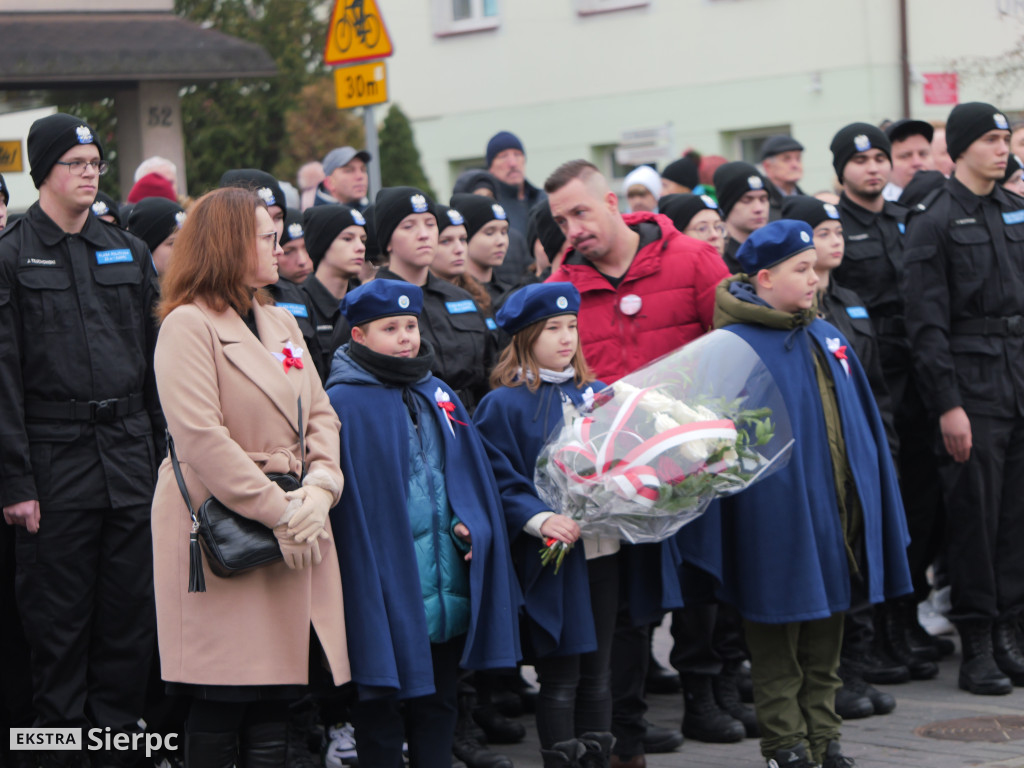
(324,328)
(460,307)
(32,261)
(1014,217)
(902,227)
(114,257)
(855,238)
(298,310)
(857,313)
(491,324)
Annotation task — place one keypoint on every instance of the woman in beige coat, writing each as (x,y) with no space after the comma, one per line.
(231,371)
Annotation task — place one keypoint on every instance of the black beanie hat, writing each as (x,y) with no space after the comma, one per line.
(392,205)
(477,210)
(448,217)
(153,219)
(323,223)
(105,205)
(470,181)
(52,136)
(682,171)
(969,122)
(682,208)
(262,183)
(733,181)
(3,190)
(854,138)
(293,229)
(922,185)
(543,223)
(809,210)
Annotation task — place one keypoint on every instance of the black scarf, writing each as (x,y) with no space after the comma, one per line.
(390,370)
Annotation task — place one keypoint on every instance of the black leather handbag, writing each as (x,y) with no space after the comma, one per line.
(233,543)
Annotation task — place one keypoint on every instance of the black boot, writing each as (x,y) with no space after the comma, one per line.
(876,666)
(703,719)
(658,740)
(891,627)
(302,735)
(979,673)
(564,754)
(727,694)
(210,750)
(852,702)
(264,746)
(598,749)
(469,743)
(791,758)
(1007,652)
(499,729)
(834,757)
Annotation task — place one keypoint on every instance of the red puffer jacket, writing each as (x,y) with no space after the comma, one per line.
(674,278)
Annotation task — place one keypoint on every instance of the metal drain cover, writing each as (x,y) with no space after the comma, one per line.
(991,729)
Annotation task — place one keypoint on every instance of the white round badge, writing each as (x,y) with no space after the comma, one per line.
(403,302)
(805,237)
(630,304)
(562,302)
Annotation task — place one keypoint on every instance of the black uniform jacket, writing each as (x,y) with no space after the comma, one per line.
(964,287)
(78,403)
(464,348)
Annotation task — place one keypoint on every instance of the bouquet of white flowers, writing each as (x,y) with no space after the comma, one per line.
(660,444)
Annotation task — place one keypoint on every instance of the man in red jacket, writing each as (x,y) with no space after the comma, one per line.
(645,289)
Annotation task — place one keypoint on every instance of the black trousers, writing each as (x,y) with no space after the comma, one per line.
(575,691)
(985,522)
(84,587)
(15,680)
(630,659)
(426,722)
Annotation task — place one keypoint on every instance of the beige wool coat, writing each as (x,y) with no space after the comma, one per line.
(233,413)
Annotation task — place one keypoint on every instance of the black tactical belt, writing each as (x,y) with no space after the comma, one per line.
(95,411)
(990,326)
(890,326)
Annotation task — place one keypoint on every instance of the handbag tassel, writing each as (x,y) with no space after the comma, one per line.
(196,578)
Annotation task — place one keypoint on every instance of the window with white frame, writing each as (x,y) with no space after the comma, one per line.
(586,7)
(455,17)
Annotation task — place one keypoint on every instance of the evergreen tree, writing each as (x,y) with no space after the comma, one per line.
(399,158)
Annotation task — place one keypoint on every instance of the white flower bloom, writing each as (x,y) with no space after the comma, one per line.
(663,422)
(683,413)
(622,389)
(654,401)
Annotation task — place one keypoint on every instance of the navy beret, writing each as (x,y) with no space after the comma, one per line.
(381,298)
(536,302)
(774,243)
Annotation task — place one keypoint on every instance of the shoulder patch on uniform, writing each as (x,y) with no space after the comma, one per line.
(857,313)
(115,256)
(1013,217)
(298,310)
(460,307)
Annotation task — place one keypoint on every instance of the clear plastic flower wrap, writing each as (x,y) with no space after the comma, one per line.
(654,449)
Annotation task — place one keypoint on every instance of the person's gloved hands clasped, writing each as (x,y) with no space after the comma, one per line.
(297,555)
(307,522)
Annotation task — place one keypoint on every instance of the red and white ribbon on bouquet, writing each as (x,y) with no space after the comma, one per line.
(632,477)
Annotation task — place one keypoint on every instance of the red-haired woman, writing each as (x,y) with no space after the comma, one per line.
(232,371)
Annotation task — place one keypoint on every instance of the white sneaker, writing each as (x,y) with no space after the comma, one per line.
(340,749)
(931,613)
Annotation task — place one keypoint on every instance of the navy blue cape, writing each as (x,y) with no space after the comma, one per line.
(388,641)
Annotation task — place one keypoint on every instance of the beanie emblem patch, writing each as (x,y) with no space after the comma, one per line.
(295,230)
(179,219)
(861,142)
(805,237)
(1000,121)
(357,217)
(418,203)
(266,195)
(83,134)
(455,218)
(754,182)
(831,211)
(99,208)
(499,212)
(562,302)
(709,201)
(403,301)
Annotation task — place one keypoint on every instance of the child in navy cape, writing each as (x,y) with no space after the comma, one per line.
(569,615)
(790,545)
(420,535)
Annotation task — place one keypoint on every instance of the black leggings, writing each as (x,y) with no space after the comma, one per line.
(575,691)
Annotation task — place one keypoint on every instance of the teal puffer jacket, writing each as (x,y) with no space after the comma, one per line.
(444,575)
